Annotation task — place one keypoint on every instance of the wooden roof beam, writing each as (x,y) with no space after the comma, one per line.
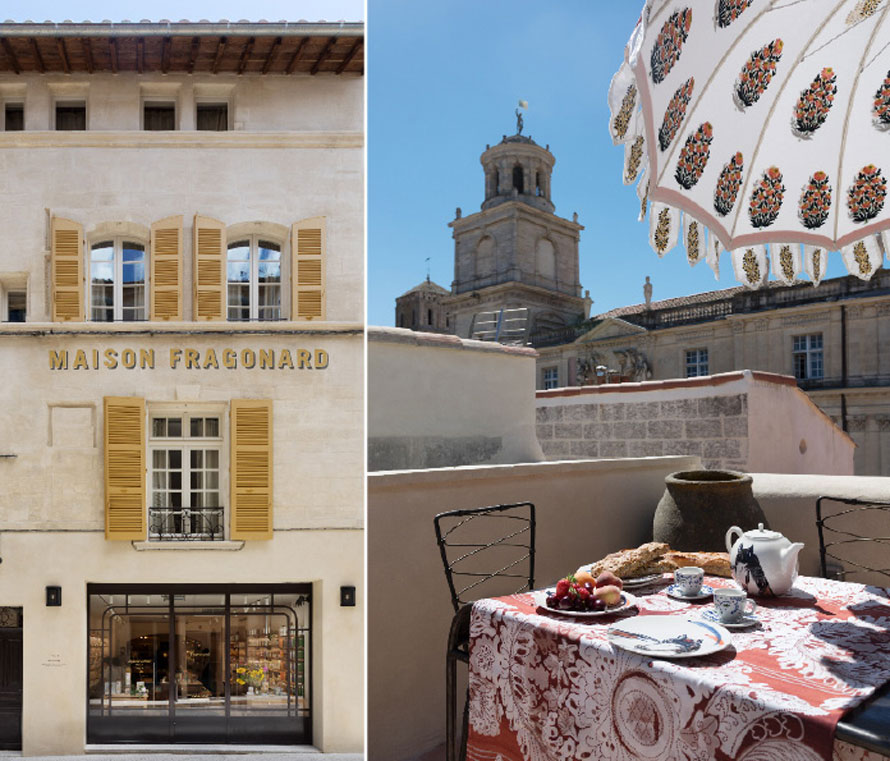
(296,56)
(193,54)
(349,56)
(324,54)
(88,52)
(166,44)
(220,49)
(63,54)
(140,54)
(245,54)
(115,63)
(41,66)
(10,53)
(271,57)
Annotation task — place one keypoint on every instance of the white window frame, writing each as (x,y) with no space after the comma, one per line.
(158,100)
(253,240)
(186,444)
(698,361)
(547,379)
(117,242)
(803,345)
(13,283)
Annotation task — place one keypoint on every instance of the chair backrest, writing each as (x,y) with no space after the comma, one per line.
(854,537)
(484,546)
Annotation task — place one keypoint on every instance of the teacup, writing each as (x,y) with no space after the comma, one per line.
(732,605)
(689,580)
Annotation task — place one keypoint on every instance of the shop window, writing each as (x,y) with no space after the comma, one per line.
(550,377)
(185,467)
(71,115)
(807,357)
(117,281)
(696,362)
(158,116)
(253,269)
(212,117)
(14,120)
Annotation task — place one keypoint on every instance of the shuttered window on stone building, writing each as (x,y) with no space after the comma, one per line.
(166,269)
(308,253)
(67,270)
(251,469)
(124,468)
(209,272)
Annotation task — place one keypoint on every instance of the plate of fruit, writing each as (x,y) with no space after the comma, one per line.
(582,596)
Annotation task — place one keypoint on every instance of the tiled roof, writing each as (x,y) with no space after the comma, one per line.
(427,286)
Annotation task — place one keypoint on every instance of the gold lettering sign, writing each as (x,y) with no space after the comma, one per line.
(190,358)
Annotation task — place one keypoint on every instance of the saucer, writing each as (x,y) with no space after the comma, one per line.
(674,591)
(746,621)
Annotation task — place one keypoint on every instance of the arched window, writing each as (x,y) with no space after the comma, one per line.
(539,184)
(117,280)
(494,183)
(545,259)
(254,279)
(429,317)
(518,179)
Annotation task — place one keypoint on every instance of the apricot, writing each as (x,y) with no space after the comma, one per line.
(584,577)
(607,578)
(609,594)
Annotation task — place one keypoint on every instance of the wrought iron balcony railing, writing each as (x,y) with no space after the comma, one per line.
(186,524)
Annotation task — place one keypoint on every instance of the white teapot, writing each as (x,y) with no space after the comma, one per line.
(764,562)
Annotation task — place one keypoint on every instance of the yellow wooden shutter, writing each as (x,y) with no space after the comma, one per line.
(251,469)
(67,270)
(166,269)
(124,468)
(308,244)
(210,269)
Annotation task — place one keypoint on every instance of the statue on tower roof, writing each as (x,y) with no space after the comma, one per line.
(518,122)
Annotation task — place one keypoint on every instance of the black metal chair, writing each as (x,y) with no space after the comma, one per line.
(845,535)
(471,542)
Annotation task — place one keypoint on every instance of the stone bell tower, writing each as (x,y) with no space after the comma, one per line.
(516,252)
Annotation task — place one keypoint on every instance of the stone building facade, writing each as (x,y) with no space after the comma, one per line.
(421,309)
(181,356)
(834,339)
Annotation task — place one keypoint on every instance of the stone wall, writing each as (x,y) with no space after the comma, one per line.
(714,428)
(739,421)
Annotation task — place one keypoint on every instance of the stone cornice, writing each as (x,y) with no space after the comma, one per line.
(512,209)
(181,139)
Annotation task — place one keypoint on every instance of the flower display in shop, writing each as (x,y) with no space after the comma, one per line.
(669,44)
(865,198)
(694,156)
(766,200)
(757,72)
(674,113)
(815,202)
(728,184)
(815,102)
(253,676)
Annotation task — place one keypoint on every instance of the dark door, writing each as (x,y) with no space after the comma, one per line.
(11,689)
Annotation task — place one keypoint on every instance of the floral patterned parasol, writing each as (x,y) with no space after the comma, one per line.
(762,128)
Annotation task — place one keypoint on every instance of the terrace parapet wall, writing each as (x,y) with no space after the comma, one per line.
(739,421)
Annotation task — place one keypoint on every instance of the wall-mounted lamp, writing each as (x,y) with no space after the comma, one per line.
(347,597)
(53,597)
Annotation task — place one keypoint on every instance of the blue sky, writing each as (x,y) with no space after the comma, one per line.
(444,79)
(176,10)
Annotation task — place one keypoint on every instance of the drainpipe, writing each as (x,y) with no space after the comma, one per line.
(843,367)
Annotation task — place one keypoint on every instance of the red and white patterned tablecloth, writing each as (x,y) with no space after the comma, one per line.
(545,687)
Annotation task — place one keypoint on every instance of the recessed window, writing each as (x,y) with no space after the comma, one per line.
(254,279)
(71,115)
(14,120)
(117,281)
(696,362)
(213,117)
(186,495)
(16,306)
(807,357)
(159,116)
(550,376)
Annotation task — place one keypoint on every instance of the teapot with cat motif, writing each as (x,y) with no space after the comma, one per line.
(763,562)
